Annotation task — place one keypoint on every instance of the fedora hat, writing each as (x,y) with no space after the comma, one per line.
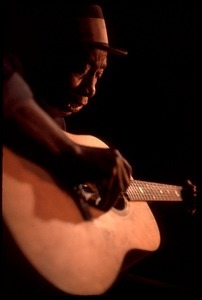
(91,28)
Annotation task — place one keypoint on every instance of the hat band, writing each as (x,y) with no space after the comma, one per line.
(93,30)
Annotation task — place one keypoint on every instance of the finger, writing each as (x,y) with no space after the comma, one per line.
(124,173)
(112,190)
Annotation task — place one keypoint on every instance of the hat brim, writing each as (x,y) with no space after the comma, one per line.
(111,50)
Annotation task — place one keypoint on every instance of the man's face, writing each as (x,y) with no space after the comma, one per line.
(80,84)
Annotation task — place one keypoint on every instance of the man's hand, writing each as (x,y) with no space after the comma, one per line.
(104,168)
(189,196)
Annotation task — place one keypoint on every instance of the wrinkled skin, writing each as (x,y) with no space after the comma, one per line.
(78,85)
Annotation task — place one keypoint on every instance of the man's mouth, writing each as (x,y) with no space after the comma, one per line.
(77,105)
(73,107)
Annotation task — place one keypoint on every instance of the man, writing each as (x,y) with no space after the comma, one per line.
(53,61)
(58,64)
(62,76)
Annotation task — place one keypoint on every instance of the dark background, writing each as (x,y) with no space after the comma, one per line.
(146,106)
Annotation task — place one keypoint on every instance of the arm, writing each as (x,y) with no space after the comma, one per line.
(27,128)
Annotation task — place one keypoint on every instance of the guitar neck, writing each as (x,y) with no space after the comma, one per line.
(152,191)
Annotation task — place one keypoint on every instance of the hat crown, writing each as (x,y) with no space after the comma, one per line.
(91,28)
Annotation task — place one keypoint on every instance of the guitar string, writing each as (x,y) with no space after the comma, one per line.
(149,191)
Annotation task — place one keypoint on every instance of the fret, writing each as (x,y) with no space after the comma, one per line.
(152,191)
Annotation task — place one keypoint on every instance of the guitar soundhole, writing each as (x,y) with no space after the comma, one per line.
(120,204)
(91,194)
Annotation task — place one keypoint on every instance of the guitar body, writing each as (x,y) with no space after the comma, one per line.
(77,256)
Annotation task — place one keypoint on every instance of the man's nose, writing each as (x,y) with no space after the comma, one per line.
(90,86)
(90,91)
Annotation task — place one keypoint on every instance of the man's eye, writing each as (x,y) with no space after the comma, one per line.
(80,71)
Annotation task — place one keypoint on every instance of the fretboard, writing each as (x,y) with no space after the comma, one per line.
(152,191)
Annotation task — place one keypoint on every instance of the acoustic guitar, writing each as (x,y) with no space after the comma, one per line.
(81,256)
